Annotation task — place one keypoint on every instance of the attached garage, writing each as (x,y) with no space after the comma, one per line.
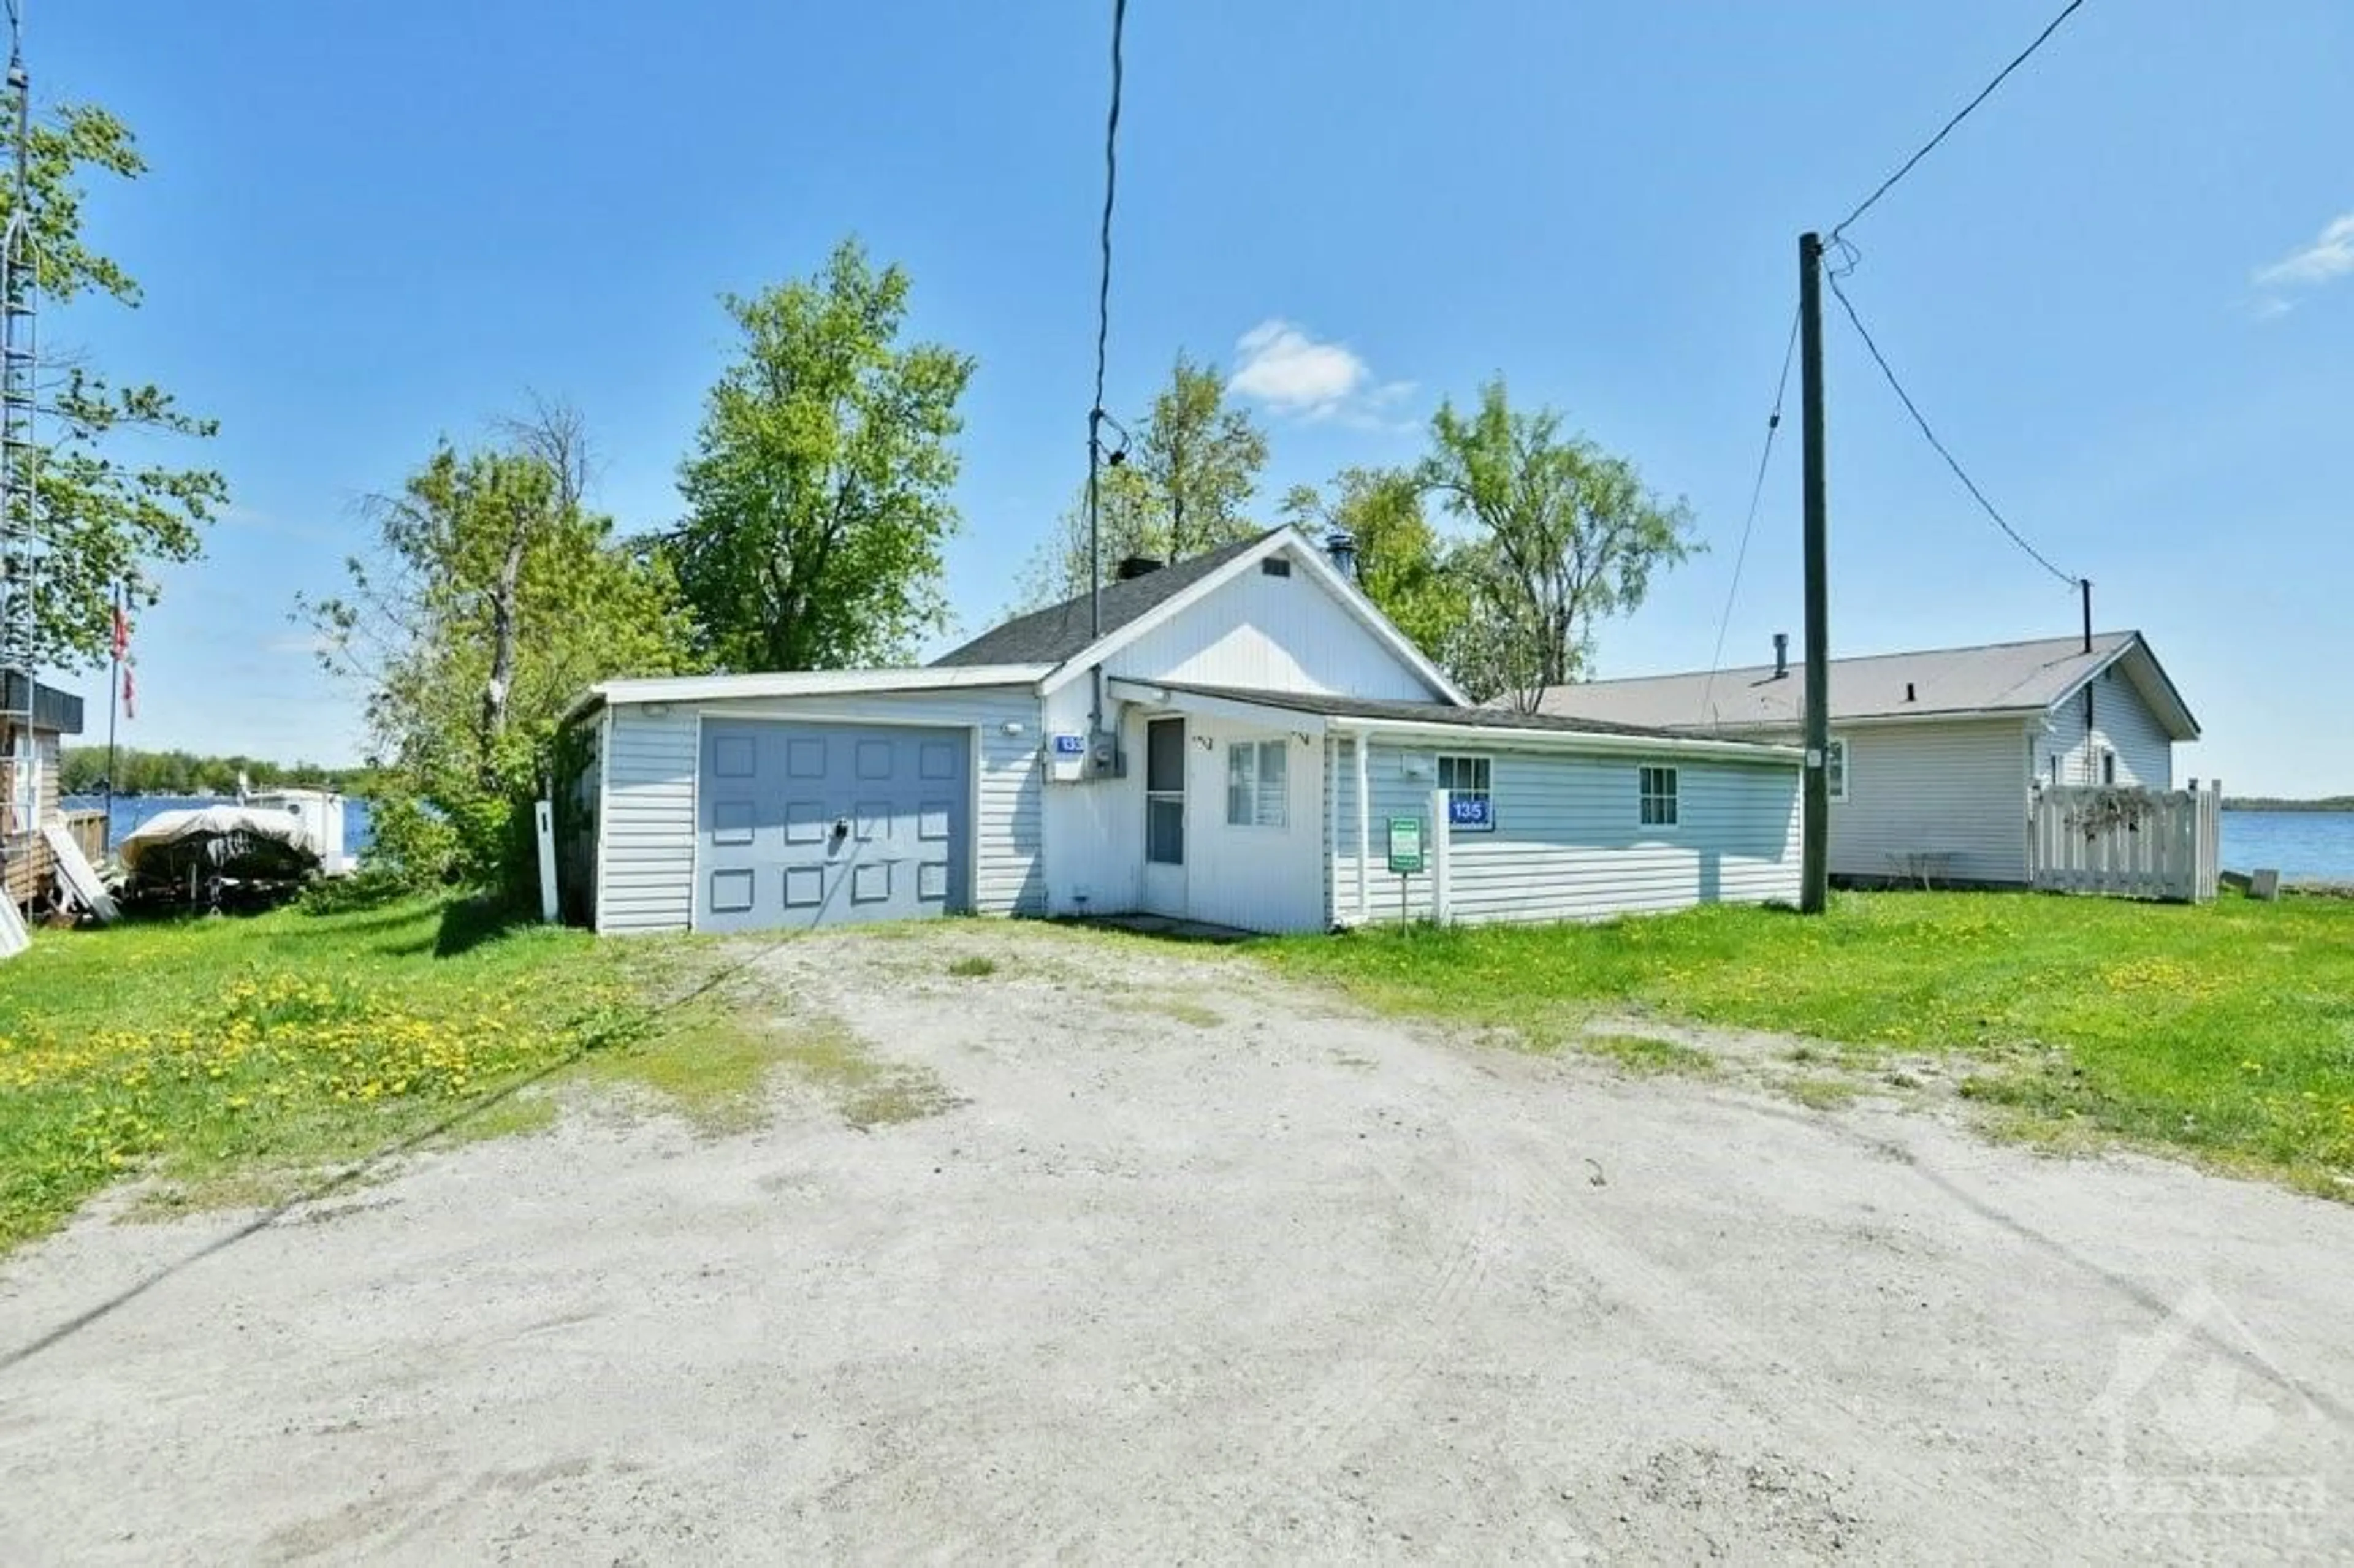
(734,803)
(823,825)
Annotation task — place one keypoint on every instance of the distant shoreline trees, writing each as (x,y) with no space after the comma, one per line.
(81,771)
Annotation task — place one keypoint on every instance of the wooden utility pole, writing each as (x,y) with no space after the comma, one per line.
(1813,889)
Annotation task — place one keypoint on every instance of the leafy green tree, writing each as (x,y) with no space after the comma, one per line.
(1402,564)
(493,600)
(1183,488)
(108,510)
(1566,536)
(817,494)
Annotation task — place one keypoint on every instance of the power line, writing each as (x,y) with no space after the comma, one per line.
(1095,415)
(1984,94)
(1912,408)
(1756,493)
(1111,191)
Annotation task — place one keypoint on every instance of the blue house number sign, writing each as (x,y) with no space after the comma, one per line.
(1070,745)
(1472,813)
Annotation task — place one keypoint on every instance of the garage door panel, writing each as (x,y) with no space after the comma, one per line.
(734,892)
(734,823)
(769,854)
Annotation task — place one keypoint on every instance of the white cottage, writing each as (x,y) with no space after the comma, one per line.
(1226,741)
(1936,755)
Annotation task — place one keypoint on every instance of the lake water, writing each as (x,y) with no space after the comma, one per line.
(130,811)
(2309,846)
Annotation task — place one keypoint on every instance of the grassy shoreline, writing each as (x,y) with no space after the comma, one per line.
(2225,1031)
(232,1056)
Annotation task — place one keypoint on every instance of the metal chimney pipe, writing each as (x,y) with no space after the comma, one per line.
(1781,654)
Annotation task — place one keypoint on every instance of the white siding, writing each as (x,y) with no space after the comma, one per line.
(1957,788)
(1271,634)
(647,882)
(1255,633)
(1257,878)
(1569,845)
(2122,723)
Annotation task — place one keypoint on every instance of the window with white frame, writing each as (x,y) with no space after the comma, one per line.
(1835,767)
(1258,783)
(1658,787)
(1471,800)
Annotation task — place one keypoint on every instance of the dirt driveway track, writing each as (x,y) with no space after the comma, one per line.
(1186,1264)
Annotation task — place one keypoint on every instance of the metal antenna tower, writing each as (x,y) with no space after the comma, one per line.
(20,455)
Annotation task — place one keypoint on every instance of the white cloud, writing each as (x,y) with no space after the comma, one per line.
(2327,259)
(1279,365)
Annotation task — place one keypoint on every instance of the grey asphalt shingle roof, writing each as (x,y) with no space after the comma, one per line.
(1334,706)
(2000,677)
(1051,635)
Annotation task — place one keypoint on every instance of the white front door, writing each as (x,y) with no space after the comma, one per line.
(1164,817)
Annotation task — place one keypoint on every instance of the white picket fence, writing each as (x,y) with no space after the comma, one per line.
(2128,843)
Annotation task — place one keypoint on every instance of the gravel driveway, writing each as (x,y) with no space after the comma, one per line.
(1185,1263)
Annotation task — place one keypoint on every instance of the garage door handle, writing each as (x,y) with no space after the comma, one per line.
(841,829)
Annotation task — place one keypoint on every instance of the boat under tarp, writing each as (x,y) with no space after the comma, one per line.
(236,843)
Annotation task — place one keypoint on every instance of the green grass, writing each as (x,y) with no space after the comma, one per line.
(2226,1030)
(234,1057)
(973,966)
(1645,1057)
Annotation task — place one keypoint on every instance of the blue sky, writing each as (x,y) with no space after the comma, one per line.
(2116,291)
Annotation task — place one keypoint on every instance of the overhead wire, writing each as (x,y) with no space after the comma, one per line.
(1833,276)
(1963,113)
(1756,494)
(1095,415)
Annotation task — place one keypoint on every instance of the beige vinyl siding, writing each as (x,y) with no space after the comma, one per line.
(1958,789)
(1568,844)
(26,862)
(647,880)
(2122,723)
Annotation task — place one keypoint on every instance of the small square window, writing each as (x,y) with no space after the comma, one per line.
(1258,784)
(1657,787)
(1470,797)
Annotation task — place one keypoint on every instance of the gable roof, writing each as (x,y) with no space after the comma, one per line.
(1130,609)
(1993,680)
(1062,630)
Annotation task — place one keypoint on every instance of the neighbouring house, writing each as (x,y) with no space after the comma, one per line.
(1936,755)
(35,719)
(1224,740)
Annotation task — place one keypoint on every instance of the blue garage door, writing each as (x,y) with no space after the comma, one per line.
(808,825)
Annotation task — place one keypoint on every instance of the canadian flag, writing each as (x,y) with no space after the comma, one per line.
(122,632)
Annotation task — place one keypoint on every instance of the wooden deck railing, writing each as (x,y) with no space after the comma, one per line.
(89,831)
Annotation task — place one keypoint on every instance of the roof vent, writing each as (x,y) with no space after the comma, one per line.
(1781,654)
(1276,566)
(1341,547)
(1136,567)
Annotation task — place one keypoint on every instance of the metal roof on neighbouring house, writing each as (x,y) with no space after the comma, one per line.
(1992,680)
(1052,635)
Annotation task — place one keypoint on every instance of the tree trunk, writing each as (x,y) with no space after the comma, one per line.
(503,641)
